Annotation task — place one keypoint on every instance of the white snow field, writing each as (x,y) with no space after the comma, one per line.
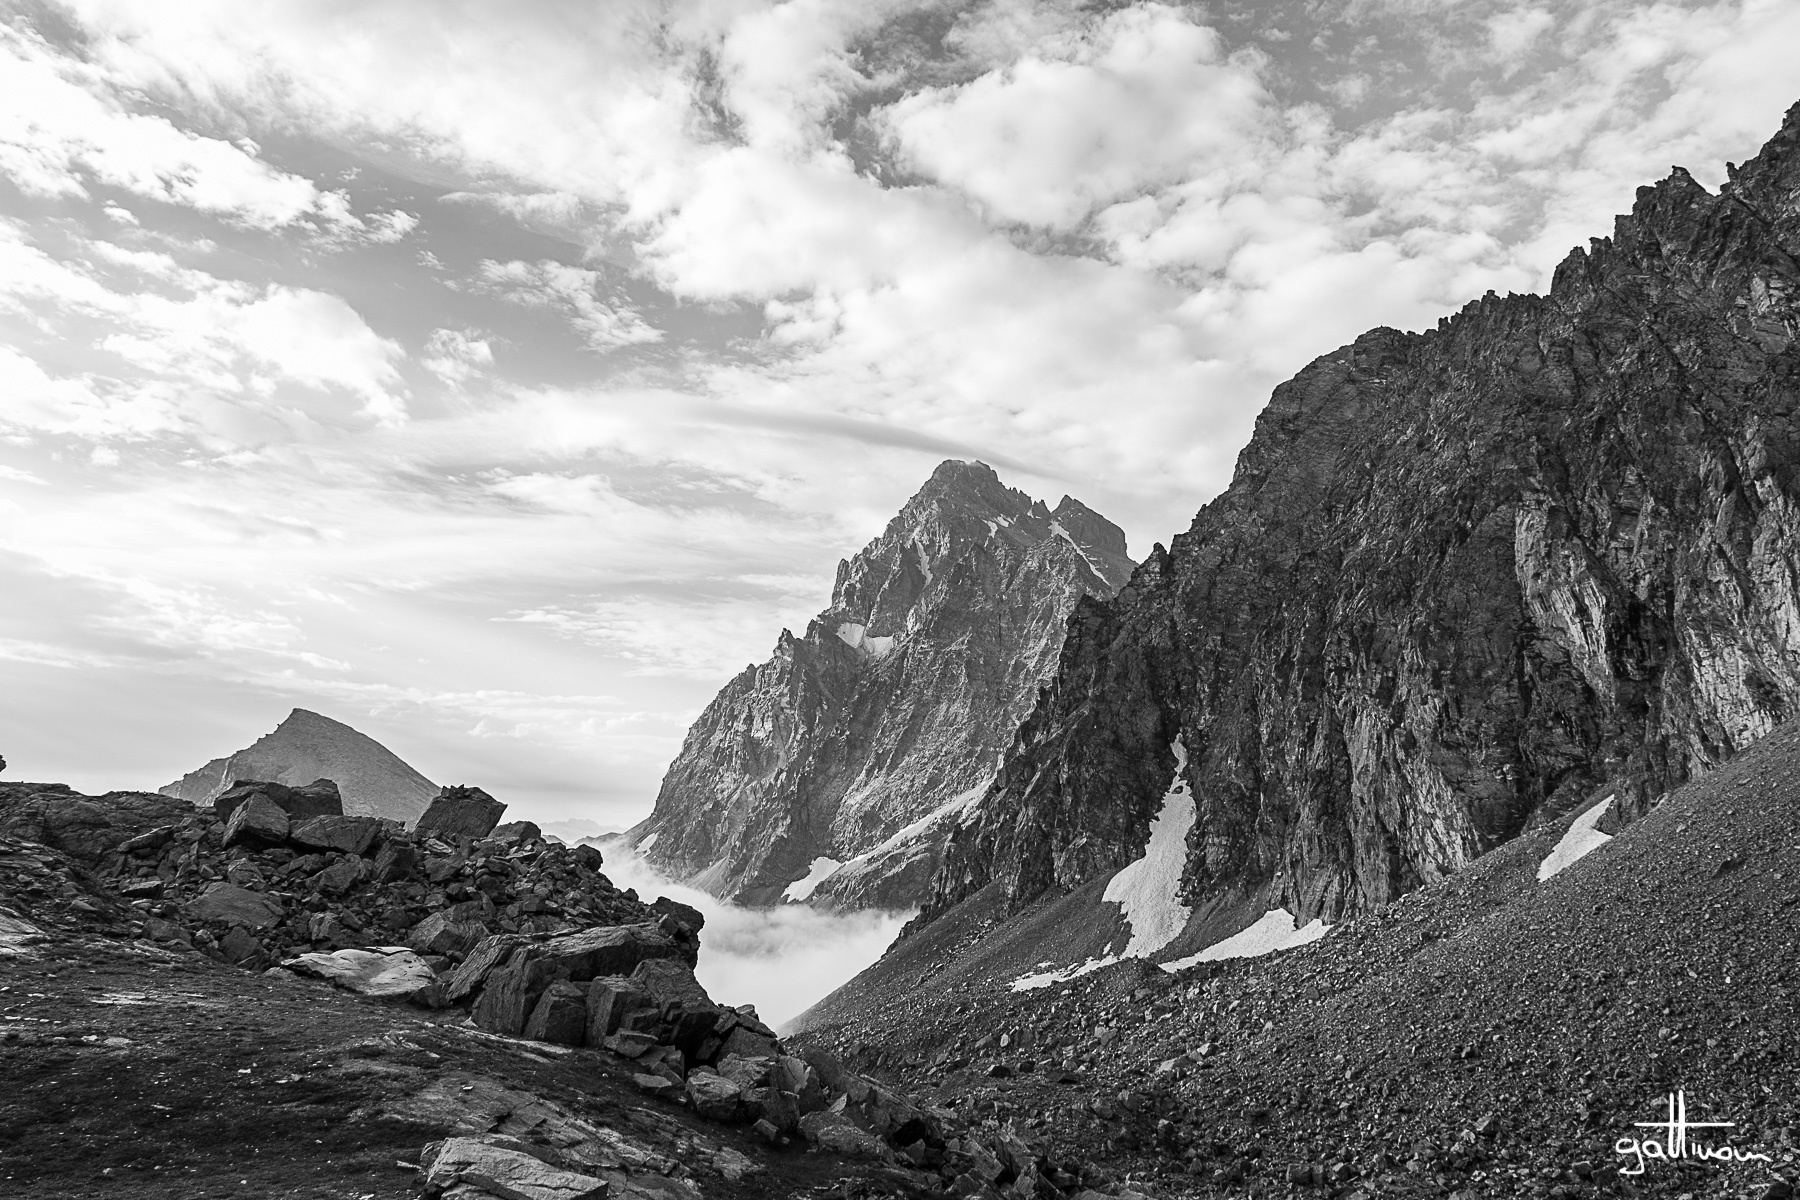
(1581,840)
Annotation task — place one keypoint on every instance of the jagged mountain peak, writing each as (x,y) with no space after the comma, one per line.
(894,703)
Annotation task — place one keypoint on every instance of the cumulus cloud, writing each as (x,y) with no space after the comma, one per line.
(602,314)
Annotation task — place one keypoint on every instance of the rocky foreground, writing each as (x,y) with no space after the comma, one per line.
(268,997)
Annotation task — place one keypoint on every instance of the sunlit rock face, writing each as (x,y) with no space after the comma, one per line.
(1461,580)
(895,704)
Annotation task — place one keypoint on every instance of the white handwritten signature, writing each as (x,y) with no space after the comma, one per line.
(1674,1142)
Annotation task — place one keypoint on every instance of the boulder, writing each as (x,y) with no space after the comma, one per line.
(319,798)
(630,1044)
(350,835)
(438,934)
(747,1073)
(835,1133)
(398,860)
(340,876)
(615,1003)
(503,1167)
(512,992)
(614,950)
(460,812)
(258,822)
(746,1043)
(474,970)
(517,831)
(683,914)
(712,1095)
(383,971)
(560,1015)
(689,1018)
(234,905)
(84,827)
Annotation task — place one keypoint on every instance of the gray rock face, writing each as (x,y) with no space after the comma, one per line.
(897,701)
(1461,580)
(461,812)
(307,746)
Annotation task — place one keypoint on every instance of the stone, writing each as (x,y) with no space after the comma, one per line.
(512,993)
(388,971)
(747,1073)
(460,812)
(836,1134)
(517,831)
(713,1096)
(240,945)
(350,835)
(746,1044)
(438,934)
(397,860)
(143,889)
(234,905)
(472,974)
(503,1171)
(257,822)
(613,950)
(87,828)
(658,1086)
(630,1044)
(340,876)
(319,798)
(610,1000)
(682,914)
(560,1015)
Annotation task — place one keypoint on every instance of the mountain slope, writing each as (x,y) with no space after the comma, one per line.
(1461,580)
(306,746)
(893,706)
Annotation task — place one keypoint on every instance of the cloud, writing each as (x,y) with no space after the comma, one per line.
(576,293)
(782,960)
(63,130)
(457,355)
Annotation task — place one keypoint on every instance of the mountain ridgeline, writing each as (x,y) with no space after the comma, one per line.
(860,742)
(1461,580)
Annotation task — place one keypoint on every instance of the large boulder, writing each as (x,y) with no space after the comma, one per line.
(84,827)
(439,934)
(505,1167)
(319,798)
(460,812)
(517,831)
(713,1096)
(384,971)
(560,1015)
(837,1134)
(482,961)
(258,823)
(234,905)
(351,835)
(614,950)
(512,992)
(615,1003)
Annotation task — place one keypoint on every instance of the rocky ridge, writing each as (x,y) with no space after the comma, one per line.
(1460,581)
(306,746)
(894,705)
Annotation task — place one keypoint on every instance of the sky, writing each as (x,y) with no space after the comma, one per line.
(500,378)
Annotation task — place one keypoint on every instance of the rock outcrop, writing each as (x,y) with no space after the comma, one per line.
(306,747)
(1461,580)
(895,704)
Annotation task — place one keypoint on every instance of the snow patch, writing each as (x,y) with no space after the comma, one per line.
(1148,889)
(800,889)
(856,636)
(1581,840)
(949,809)
(643,847)
(1043,979)
(1274,930)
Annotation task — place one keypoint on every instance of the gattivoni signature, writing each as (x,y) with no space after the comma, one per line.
(1673,1144)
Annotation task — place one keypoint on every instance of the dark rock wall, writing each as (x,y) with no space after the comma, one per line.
(1460,580)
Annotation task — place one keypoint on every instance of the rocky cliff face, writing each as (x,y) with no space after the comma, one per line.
(895,704)
(1460,580)
(373,780)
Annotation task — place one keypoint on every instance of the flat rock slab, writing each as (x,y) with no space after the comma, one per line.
(512,1174)
(389,971)
(235,905)
(352,835)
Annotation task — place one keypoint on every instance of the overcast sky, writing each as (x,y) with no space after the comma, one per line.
(500,378)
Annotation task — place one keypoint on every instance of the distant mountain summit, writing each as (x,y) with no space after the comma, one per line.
(833,772)
(306,746)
